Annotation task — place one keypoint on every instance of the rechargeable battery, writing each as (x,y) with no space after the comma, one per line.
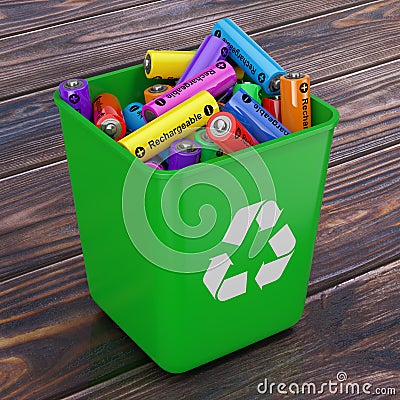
(76,93)
(295,101)
(256,119)
(209,149)
(166,64)
(133,116)
(273,106)
(155,91)
(251,89)
(211,50)
(183,153)
(261,68)
(107,115)
(177,123)
(154,164)
(228,133)
(215,79)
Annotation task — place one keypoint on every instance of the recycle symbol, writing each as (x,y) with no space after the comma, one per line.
(266,213)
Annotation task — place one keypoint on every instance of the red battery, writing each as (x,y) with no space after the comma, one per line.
(107,115)
(228,133)
(273,106)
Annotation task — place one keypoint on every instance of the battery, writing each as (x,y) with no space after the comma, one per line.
(155,91)
(228,133)
(166,64)
(250,88)
(177,123)
(209,149)
(211,50)
(154,164)
(107,115)
(76,93)
(260,67)
(256,119)
(273,106)
(133,116)
(295,101)
(183,153)
(216,79)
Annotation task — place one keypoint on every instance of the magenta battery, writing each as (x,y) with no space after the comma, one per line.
(210,51)
(154,164)
(255,118)
(76,93)
(183,153)
(216,80)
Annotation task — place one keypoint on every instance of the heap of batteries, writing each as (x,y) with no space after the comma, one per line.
(212,109)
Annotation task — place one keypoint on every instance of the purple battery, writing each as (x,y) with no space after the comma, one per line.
(76,93)
(154,164)
(183,153)
(216,79)
(210,51)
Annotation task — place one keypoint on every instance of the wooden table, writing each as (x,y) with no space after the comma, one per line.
(55,343)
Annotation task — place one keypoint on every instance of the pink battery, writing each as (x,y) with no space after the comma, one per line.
(216,79)
(228,133)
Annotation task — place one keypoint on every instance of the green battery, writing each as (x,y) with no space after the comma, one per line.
(251,89)
(209,148)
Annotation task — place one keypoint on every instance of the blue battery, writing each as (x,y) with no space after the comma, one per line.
(260,67)
(133,116)
(257,120)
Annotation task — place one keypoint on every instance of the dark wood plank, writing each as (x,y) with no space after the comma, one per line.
(339,332)
(38,220)
(369,107)
(23,16)
(40,228)
(88,47)
(32,136)
(54,340)
(360,219)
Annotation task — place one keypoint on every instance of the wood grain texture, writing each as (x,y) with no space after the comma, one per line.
(22,16)
(38,220)
(359,227)
(31,134)
(40,227)
(339,331)
(54,340)
(88,47)
(56,332)
(369,107)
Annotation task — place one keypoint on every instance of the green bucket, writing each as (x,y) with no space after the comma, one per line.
(196,263)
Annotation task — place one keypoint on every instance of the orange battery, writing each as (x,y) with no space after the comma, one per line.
(107,115)
(295,101)
(228,133)
(154,91)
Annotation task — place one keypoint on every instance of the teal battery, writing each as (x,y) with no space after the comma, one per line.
(256,119)
(259,66)
(133,116)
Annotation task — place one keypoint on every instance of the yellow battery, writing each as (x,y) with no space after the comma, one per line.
(177,123)
(166,64)
(295,101)
(239,72)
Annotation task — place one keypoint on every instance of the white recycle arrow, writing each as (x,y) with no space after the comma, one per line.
(231,287)
(282,243)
